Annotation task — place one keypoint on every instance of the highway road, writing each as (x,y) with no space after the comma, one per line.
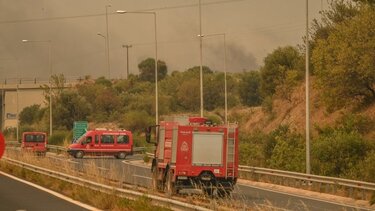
(264,196)
(16,194)
(253,196)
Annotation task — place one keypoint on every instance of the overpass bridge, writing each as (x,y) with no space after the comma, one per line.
(18,94)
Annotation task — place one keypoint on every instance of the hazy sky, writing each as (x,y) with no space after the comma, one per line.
(253,29)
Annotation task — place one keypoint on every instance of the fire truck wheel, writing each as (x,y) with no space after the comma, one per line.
(155,179)
(79,154)
(170,188)
(121,155)
(208,191)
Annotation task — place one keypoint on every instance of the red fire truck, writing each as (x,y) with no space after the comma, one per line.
(103,142)
(193,153)
(35,142)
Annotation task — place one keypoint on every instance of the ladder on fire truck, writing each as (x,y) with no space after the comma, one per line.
(231,141)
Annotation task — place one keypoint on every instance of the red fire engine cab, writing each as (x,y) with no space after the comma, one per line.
(35,142)
(193,153)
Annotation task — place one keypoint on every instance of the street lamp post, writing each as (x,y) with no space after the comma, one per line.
(107,41)
(127,59)
(106,52)
(307,92)
(200,58)
(50,77)
(225,72)
(156,60)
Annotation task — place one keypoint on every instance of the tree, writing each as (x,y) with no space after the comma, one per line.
(107,101)
(147,70)
(344,62)
(370,2)
(70,107)
(339,11)
(30,115)
(103,81)
(249,88)
(276,68)
(188,95)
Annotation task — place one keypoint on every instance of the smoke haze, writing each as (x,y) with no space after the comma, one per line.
(253,29)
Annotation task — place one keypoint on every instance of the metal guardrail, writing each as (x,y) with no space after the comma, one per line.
(61,149)
(171,203)
(331,185)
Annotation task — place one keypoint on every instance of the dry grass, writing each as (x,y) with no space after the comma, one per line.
(109,175)
(94,198)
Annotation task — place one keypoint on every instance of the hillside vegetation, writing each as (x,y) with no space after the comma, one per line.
(268,103)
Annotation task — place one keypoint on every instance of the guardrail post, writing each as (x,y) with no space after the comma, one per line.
(363,194)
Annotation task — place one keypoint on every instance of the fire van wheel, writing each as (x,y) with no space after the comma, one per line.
(170,188)
(79,154)
(121,155)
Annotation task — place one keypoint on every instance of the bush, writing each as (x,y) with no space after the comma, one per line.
(251,148)
(136,121)
(58,137)
(289,152)
(337,152)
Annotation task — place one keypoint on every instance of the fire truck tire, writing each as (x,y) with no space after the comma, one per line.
(79,154)
(121,155)
(170,188)
(155,182)
(208,191)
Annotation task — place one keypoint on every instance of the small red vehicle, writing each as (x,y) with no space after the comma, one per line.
(35,142)
(193,153)
(103,142)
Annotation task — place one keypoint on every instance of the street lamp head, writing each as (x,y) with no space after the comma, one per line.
(25,40)
(200,35)
(121,11)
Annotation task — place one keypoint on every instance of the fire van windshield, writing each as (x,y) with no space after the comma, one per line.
(34,138)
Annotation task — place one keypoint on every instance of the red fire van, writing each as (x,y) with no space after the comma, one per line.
(103,142)
(34,141)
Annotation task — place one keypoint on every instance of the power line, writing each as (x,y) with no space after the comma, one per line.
(114,13)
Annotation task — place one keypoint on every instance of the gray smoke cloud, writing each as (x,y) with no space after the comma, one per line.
(77,50)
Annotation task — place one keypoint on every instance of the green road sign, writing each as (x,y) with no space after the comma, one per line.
(79,128)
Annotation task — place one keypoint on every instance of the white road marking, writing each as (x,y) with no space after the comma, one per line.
(52,192)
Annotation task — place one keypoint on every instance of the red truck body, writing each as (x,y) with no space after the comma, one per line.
(34,142)
(103,142)
(192,153)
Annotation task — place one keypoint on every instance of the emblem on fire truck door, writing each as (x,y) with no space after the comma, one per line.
(184,147)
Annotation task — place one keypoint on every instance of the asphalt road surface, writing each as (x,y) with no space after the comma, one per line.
(17,195)
(256,195)
(251,195)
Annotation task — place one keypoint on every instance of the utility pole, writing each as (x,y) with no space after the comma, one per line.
(127,59)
